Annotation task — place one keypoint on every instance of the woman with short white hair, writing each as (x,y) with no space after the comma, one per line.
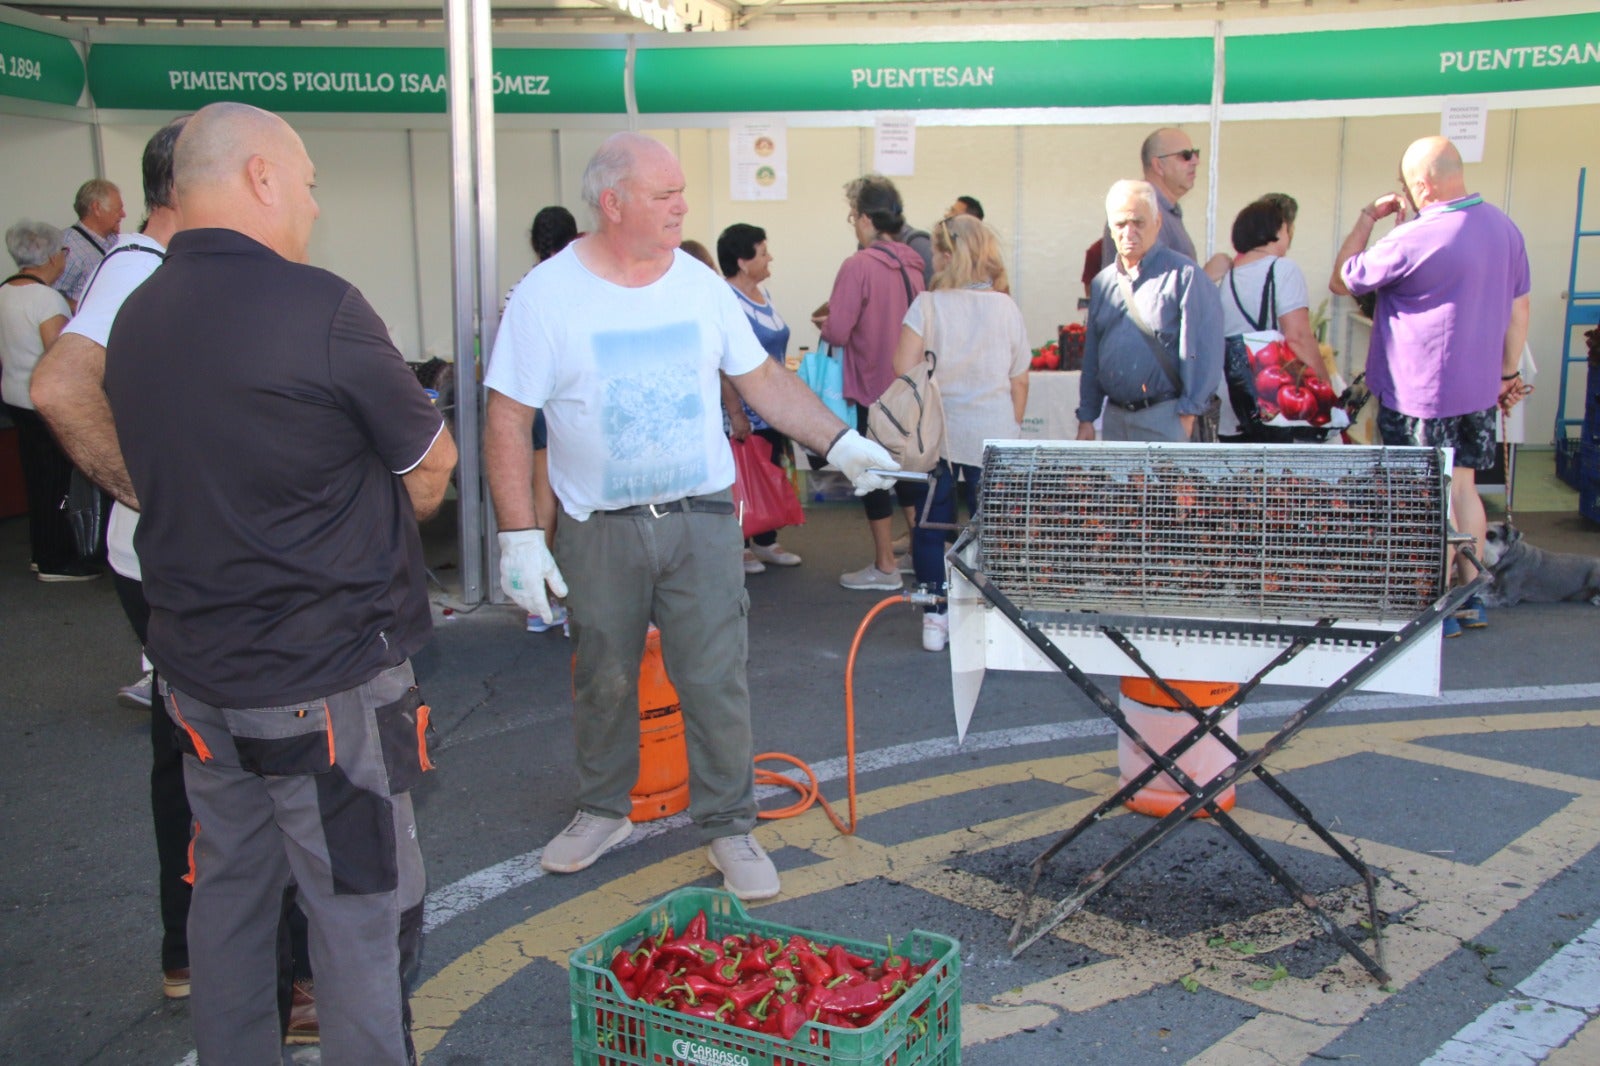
(32,315)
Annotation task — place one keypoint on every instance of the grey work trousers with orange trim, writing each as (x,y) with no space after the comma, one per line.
(320,792)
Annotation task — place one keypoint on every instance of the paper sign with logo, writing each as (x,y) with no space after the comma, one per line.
(758,159)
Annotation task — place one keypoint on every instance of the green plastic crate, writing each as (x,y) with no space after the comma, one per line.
(609,1029)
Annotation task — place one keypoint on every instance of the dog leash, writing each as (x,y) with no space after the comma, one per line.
(1505,460)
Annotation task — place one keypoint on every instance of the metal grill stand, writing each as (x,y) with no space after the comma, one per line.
(1364,650)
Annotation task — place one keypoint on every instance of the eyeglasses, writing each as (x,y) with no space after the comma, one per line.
(1185,154)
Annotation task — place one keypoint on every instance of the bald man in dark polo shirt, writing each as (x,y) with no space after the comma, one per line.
(280,480)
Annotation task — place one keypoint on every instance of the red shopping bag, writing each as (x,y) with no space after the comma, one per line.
(762,496)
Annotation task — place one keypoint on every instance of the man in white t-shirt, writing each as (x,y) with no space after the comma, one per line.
(619,340)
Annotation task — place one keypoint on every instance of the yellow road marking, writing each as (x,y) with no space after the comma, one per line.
(1448,901)
(1267,1040)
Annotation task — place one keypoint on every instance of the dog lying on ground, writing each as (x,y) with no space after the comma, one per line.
(1525,573)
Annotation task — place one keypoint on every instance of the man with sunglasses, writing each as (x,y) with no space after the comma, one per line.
(1170,161)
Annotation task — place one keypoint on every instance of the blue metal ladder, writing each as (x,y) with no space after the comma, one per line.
(1583,309)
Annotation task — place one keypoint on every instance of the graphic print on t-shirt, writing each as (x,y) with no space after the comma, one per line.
(652,412)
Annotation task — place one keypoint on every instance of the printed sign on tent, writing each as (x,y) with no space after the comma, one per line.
(758,159)
(895,151)
(1465,120)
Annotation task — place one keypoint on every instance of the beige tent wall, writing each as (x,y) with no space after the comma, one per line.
(44,162)
(385,200)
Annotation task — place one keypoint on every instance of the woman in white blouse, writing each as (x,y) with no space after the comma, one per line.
(975,330)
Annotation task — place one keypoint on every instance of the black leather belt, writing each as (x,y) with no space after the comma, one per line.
(1139,405)
(699,504)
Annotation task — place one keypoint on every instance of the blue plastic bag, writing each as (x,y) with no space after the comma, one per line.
(823,372)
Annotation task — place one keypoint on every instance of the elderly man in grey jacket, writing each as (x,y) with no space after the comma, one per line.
(1152,355)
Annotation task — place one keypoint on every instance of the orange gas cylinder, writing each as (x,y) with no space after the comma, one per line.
(1155,716)
(663,785)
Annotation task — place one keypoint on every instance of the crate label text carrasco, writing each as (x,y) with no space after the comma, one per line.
(705,1055)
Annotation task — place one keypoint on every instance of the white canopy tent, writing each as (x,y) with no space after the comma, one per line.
(1299,82)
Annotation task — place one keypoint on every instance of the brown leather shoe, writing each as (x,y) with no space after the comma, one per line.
(175,983)
(303,1028)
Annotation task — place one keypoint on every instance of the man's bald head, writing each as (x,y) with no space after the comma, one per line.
(218,142)
(241,168)
(1432,171)
(1170,162)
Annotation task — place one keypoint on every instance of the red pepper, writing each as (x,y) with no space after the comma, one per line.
(745,995)
(813,967)
(700,951)
(790,1018)
(852,999)
(726,972)
(864,997)
(700,987)
(732,944)
(652,990)
(785,976)
(752,961)
(644,971)
(696,929)
(745,1020)
(711,1012)
(623,965)
(845,963)
(811,1006)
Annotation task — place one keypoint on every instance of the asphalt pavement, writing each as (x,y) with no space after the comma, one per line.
(1479,810)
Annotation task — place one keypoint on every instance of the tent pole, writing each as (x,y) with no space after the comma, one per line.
(489,291)
(469,515)
(1219,76)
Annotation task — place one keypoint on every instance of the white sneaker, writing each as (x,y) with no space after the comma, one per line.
(774,553)
(137,695)
(752,565)
(539,625)
(902,561)
(870,577)
(585,839)
(747,871)
(935,631)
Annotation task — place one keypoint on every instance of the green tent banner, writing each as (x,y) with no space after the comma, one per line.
(905,77)
(364,80)
(1494,55)
(1487,56)
(39,66)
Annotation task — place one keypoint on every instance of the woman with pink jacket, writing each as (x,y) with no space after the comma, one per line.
(871,293)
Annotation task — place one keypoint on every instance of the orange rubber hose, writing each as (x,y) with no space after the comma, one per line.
(811,792)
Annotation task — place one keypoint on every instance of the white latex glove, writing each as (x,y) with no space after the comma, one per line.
(526,567)
(854,455)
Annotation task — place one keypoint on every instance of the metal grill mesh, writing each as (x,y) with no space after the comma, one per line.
(1215,531)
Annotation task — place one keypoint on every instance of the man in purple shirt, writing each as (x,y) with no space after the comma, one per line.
(1452,313)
